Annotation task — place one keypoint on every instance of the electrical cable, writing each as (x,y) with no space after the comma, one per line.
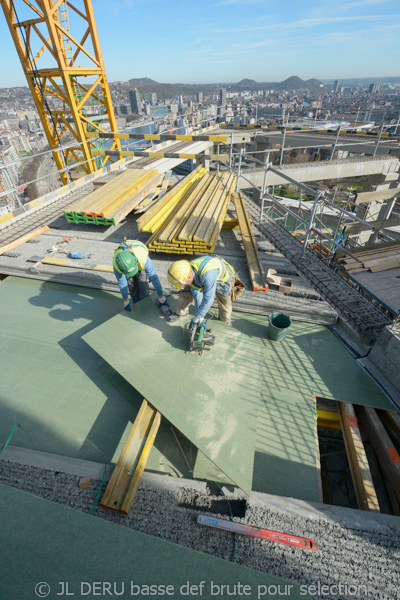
(11,434)
(100,488)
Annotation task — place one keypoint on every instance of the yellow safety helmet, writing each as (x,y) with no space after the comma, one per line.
(178,273)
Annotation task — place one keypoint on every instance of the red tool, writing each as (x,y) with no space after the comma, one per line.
(258,532)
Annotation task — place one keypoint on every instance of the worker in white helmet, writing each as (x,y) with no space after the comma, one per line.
(201,280)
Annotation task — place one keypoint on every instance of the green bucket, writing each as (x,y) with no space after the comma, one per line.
(278,326)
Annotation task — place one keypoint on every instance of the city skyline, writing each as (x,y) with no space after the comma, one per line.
(230,40)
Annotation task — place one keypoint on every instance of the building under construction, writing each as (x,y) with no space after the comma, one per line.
(266,464)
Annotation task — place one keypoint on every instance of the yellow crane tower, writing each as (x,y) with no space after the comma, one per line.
(69,97)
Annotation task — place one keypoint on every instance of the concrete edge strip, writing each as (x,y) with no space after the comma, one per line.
(350,518)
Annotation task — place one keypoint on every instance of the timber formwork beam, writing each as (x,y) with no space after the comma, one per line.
(182,156)
(124,482)
(257,273)
(358,462)
(383,446)
(159,137)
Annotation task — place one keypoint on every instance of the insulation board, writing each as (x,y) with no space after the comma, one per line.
(66,399)
(213,399)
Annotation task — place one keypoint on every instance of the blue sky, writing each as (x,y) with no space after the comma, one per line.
(216,41)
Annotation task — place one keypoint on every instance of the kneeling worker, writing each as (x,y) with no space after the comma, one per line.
(132,266)
(201,280)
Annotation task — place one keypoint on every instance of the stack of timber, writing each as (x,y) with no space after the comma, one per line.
(189,218)
(372,259)
(111,203)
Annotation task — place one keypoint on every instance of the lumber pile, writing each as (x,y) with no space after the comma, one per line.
(112,202)
(189,217)
(374,260)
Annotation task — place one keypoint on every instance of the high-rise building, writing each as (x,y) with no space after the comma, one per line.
(123,109)
(181,125)
(373,88)
(336,86)
(136,104)
(153,98)
(199,97)
(148,109)
(222,97)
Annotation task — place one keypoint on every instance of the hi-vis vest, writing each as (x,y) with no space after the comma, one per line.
(202,265)
(138,249)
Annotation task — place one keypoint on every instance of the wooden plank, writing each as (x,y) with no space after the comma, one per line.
(385,451)
(128,204)
(140,467)
(126,476)
(391,420)
(359,468)
(385,266)
(317,452)
(62,262)
(23,239)
(256,269)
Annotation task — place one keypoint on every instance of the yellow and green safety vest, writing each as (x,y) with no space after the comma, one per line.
(137,248)
(207,263)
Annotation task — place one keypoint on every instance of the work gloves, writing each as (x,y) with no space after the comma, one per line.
(200,324)
(163,305)
(162,301)
(127,305)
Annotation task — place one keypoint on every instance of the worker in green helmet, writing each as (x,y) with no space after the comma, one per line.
(133,269)
(201,280)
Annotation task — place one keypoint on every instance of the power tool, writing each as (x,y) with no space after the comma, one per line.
(200,338)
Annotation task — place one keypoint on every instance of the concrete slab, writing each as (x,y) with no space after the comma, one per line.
(70,553)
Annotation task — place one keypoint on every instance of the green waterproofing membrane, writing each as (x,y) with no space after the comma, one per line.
(311,361)
(213,399)
(210,399)
(67,400)
(71,554)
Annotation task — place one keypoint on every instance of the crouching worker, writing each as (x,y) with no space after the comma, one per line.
(202,280)
(133,269)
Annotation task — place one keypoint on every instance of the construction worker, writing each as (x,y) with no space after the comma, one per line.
(133,268)
(201,280)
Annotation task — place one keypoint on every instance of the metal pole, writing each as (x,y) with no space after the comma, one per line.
(282,147)
(358,110)
(263,188)
(239,168)
(378,140)
(334,145)
(230,153)
(397,124)
(217,161)
(311,223)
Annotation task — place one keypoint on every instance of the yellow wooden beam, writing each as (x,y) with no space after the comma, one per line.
(23,239)
(384,448)
(359,467)
(128,471)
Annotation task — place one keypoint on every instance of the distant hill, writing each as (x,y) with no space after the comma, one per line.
(146,86)
(142,81)
(295,83)
(248,83)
